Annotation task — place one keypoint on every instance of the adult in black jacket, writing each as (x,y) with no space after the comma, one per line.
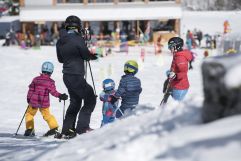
(72,52)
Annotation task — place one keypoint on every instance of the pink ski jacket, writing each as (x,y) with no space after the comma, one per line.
(39,89)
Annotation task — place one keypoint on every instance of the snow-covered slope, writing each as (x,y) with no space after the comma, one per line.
(150,133)
(172,133)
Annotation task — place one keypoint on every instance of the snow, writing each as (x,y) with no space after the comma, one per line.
(8,18)
(211,22)
(151,133)
(232,66)
(231,79)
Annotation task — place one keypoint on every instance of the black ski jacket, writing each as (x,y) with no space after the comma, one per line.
(72,51)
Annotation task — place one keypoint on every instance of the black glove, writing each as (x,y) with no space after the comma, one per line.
(28,100)
(93,56)
(63,97)
(113,99)
(190,65)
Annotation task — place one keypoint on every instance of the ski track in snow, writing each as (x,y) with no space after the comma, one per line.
(14,147)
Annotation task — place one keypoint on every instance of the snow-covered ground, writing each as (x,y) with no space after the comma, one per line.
(150,133)
(210,22)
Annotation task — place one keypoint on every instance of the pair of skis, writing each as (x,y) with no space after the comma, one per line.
(36,137)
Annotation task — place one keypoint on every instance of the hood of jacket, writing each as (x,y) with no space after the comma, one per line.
(64,36)
(185,53)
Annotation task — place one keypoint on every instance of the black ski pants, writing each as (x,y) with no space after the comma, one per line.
(79,90)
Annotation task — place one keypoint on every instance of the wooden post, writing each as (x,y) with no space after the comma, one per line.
(85,2)
(55,27)
(177,21)
(117,32)
(137,28)
(178,1)
(54,2)
(86,24)
(116,1)
(63,1)
(101,27)
(21,2)
(177,26)
(23,27)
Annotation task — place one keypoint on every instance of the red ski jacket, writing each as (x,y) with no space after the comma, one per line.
(39,89)
(179,66)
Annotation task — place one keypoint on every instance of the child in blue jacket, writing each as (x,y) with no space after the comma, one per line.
(129,89)
(108,108)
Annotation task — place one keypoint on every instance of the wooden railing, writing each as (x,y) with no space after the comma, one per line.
(86,2)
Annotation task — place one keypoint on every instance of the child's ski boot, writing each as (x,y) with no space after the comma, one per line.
(52,132)
(29,132)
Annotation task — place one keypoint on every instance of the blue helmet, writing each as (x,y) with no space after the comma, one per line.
(108,84)
(47,67)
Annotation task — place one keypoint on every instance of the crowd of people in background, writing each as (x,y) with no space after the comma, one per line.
(29,39)
(225,43)
(195,38)
(48,36)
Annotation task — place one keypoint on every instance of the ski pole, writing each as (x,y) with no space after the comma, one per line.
(86,70)
(118,109)
(22,120)
(92,78)
(64,112)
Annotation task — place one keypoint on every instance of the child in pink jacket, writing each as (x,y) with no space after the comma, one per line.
(38,98)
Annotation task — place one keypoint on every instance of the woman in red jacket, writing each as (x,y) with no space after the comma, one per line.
(179,83)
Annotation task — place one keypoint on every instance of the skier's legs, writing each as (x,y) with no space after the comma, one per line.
(87,109)
(108,113)
(7,42)
(78,90)
(199,42)
(179,94)
(49,118)
(71,113)
(120,111)
(75,85)
(29,117)
(107,119)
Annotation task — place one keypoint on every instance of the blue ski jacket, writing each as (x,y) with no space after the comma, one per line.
(108,109)
(129,90)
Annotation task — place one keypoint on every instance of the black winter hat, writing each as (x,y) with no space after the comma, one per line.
(73,22)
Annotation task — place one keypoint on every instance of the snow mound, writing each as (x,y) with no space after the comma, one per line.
(136,137)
